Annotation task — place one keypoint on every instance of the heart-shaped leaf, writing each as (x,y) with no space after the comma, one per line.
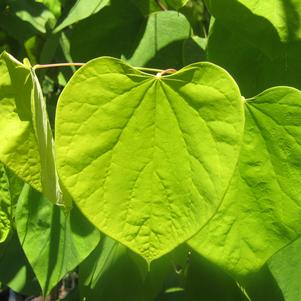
(261,211)
(148,158)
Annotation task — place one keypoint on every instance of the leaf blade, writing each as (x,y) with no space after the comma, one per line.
(261,210)
(140,196)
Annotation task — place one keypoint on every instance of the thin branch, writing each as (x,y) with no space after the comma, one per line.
(159,72)
(148,69)
(162,7)
(57,65)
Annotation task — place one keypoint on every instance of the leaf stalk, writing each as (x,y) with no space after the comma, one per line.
(38,66)
(162,7)
(159,72)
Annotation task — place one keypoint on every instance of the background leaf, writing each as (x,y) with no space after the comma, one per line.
(162,42)
(16,271)
(122,24)
(53,242)
(265,46)
(261,286)
(28,15)
(81,10)
(110,263)
(206,281)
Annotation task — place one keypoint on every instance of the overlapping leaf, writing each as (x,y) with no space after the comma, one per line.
(262,209)
(26,138)
(15,122)
(286,269)
(53,242)
(148,158)
(261,286)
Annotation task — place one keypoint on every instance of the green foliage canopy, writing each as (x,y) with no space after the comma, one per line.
(171,185)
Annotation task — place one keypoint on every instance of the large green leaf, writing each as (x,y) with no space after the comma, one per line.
(265,46)
(53,242)
(81,10)
(261,211)
(286,268)
(148,158)
(27,142)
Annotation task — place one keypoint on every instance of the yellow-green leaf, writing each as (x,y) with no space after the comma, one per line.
(148,158)
(261,212)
